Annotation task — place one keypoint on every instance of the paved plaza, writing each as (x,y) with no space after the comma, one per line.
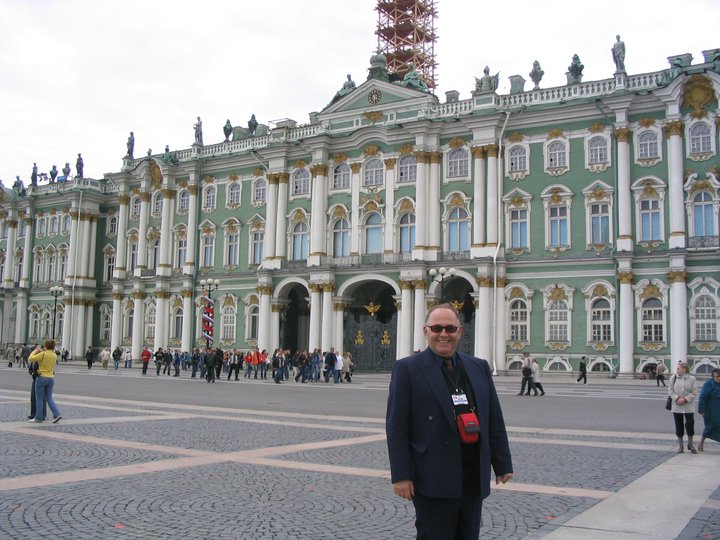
(147,469)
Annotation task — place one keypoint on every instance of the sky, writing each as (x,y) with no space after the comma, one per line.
(79,75)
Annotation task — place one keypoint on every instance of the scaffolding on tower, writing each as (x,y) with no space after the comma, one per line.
(406,33)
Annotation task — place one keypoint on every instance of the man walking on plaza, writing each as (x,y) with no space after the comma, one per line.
(445,429)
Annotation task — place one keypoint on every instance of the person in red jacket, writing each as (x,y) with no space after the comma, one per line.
(145,356)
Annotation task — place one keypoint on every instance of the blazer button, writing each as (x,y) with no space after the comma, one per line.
(430,417)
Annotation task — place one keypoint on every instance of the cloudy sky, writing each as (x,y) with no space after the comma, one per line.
(79,75)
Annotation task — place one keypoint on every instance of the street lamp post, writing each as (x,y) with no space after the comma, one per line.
(208,317)
(56,292)
(440,275)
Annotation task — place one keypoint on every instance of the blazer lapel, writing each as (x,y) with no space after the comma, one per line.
(434,377)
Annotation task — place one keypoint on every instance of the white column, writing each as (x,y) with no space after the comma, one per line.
(405,328)
(479,203)
(7,278)
(67,329)
(21,318)
(281,217)
(117,317)
(142,231)
(89,318)
(483,325)
(161,319)
(93,223)
(27,252)
(270,220)
(79,341)
(192,232)
(675,181)
(75,236)
(389,233)
(188,318)
(492,195)
(433,214)
(275,326)
(627,323)
(678,317)
(326,338)
(264,328)
(319,211)
(138,323)
(315,316)
(121,251)
(165,262)
(499,324)
(421,211)
(355,209)
(84,253)
(419,312)
(339,314)
(624,195)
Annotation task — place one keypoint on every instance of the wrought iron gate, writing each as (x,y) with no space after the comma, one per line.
(467,340)
(372,343)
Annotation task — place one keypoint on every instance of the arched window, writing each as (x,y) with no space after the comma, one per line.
(253,322)
(67,223)
(233,193)
(150,323)
(341,238)
(153,254)
(374,174)
(227,327)
(706,319)
(46,324)
(458,230)
(105,324)
(177,324)
(700,139)
(703,215)
(601,320)
(557,156)
(598,149)
(112,226)
(35,325)
(458,163)
(558,218)
(132,256)
(109,265)
(184,200)
(232,248)
(301,182)
(648,145)
(130,319)
(260,191)
(653,329)
(210,197)
(135,208)
(207,242)
(373,233)
(300,241)
(407,171)
(518,159)
(407,232)
(518,321)
(41,227)
(341,176)
(52,266)
(600,223)
(519,228)
(257,239)
(53,228)
(157,203)
(650,220)
(558,321)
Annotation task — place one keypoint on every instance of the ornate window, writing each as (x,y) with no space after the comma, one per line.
(112,226)
(518,159)
(53,226)
(233,194)
(129,323)
(458,163)
(597,150)
(407,170)
(373,233)
(232,246)
(558,321)
(558,301)
(257,243)
(52,265)
(458,227)
(227,326)
(650,229)
(176,318)
(703,212)
(601,320)
(157,204)
(557,156)
(63,263)
(253,322)
(207,248)
(519,321)
(132,255)
(109,264)
(701,138)
(341,176)
(39,268)
(300,241)
(105,323)
(301,182)
(135,205)
(705,318)
(653,327)
(183,203)
(260,190)
(34,325)
(517,219)
(65,225)
(598,215)
(648,145)
(649,210)
(22,228)
(150,323)
(702,204)
(373,174)
(41,227)
(209,198)
(407,232)
(341,238)
(647,135)
(180,246)
(557,201)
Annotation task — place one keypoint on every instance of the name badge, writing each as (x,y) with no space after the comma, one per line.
(459,399)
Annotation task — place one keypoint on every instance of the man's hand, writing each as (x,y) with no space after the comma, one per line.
(405,489)
(504,478)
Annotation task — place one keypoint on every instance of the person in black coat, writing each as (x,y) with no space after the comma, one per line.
(583,371)
(445,469)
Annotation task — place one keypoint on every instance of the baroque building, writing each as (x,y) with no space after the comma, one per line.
(573,221)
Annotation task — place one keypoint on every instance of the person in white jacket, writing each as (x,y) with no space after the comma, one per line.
(683,393)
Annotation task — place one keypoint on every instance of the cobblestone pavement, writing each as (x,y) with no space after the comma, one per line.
(125,469)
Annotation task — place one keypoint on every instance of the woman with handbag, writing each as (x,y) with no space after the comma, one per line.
(683,392)
(46,359)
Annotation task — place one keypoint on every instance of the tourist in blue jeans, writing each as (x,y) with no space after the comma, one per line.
(46,359)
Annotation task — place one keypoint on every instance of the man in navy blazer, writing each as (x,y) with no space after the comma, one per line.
(445,478)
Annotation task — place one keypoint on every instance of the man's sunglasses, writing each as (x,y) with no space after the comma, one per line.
(438,328)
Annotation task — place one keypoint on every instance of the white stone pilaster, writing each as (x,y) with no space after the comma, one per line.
(405,328)
(264,329)
(419,311)
(483,324)
(326,338)
(161,319)
(165,262)
(138,328)
(7,278)
(624,195)
(315,316)
(142,232)
(270,217)
(433,205)
(492,195)
(675,182)
(319,211)
(281,217)
(421,209)
(27,253)
(21,317)
(389,232)
(355,208)
(117,319)
(75,236)
(500,324)
(188,318)
(121,250)
(92,225)
(678,317)
(626,339)
(192,231)
(479,202)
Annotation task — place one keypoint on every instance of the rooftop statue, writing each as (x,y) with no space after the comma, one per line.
(575,70)
(536,74)
(618,54)
(347,87)
(487,83)
(252,125)
(198,131)
(34,175)
(130,146)
(227,130)
(53,173)
(79,166)
(19,187)
(413,80)
(66,171)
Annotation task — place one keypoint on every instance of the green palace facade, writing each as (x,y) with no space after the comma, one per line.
(580,220)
